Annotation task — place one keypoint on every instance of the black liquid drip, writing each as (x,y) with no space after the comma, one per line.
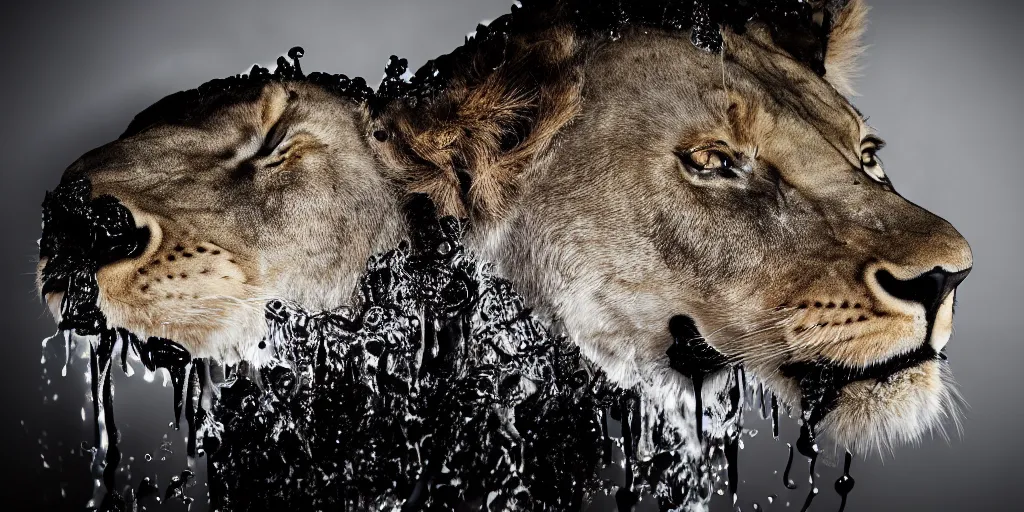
(163,353)
(691,356)
(731,457)
(809,448)
(194,412)
(786,480)
(762,407)
(845,483)
(810,497)
(731,449)
(775,416)
(418,394)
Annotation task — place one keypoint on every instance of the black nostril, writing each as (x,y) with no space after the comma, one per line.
(114,235)
(928,289)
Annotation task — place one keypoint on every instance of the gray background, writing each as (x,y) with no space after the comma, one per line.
(941,85)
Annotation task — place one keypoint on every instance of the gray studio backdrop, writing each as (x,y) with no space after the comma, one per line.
(941,85)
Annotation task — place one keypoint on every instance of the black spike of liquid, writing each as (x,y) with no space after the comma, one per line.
(786,480)
(810,497)
(691,356)
(845,483)
(775,416)
(164,353)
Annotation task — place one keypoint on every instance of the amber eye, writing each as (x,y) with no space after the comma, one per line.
(869,161)
(708,162)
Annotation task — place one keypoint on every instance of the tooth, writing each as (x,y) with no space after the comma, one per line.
(942,328)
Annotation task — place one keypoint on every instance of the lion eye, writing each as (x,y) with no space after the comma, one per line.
(708,162)
(273,139)
(871,164)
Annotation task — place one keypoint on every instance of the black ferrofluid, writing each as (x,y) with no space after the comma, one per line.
(810,497)
(845,483)
(786,480)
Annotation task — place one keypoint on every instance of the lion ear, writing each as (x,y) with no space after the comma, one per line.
(842,64)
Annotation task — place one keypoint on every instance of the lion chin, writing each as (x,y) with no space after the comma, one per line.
(877,415)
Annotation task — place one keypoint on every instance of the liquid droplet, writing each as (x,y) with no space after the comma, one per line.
(845,483)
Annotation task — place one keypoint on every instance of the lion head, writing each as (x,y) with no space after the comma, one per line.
(256,187)
(622,177)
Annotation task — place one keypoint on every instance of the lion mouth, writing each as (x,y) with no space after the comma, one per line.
(823,374)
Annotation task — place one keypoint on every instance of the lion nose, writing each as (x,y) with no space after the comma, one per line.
(80,235)
(929,289)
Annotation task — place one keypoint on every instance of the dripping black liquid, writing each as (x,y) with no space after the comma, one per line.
(439,390)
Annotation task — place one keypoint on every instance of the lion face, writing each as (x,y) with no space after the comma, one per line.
(262,192)
(744,191)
